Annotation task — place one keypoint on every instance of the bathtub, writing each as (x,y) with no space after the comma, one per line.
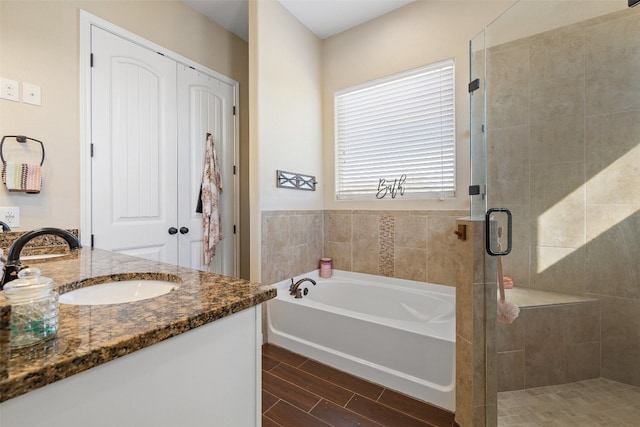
(397,333)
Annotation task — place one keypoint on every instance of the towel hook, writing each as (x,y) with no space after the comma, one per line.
(21,139)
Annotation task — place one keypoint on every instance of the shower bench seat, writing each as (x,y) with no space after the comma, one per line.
(554,340)
(527,297)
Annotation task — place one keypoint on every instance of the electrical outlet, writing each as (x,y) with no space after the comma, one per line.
(10,215)
(9,89)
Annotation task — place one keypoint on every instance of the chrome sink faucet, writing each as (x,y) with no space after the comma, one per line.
(13,264)
(293,289)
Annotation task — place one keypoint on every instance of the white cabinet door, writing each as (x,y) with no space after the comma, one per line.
(134,174)
(205,105)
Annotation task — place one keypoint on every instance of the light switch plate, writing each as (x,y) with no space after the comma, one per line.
(31,94)
(9,89)
(10,215)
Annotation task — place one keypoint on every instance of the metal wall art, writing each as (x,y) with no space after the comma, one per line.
(295,181)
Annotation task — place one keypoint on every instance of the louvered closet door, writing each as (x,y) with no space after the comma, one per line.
(134,168)
(205,105)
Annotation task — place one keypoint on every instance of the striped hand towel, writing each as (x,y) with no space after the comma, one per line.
(22,177)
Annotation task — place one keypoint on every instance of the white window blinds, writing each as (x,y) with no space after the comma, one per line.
(396,136)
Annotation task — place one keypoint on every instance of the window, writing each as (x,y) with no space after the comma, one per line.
(396,136)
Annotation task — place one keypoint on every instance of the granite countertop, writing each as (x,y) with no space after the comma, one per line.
(92,335)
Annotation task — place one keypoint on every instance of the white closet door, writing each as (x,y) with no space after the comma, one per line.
(134,174)
(205,105)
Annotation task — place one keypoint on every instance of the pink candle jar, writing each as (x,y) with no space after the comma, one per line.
(325,267)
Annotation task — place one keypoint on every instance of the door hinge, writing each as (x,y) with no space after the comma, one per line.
(91,60)
(234,169)
(91,149)
(474,85)
(234,229)
(234,110)
(92,240)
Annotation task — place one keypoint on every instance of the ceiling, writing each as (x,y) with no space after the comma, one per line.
(323,17)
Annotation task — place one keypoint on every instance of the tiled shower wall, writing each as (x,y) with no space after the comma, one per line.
(415,245)
(563,133)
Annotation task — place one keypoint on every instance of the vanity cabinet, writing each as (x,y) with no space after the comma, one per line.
(208,376)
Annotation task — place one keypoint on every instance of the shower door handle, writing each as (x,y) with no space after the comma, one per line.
(487,228)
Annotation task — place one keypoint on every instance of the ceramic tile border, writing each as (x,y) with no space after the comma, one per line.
(386,252)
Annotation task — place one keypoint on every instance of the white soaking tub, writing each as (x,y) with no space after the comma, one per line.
(397,333)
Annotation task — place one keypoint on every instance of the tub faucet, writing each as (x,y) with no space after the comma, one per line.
(13,264)
(293,289)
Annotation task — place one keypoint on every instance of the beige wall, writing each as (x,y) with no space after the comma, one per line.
(286,116)
(289,107)
(39,44)
(418,34)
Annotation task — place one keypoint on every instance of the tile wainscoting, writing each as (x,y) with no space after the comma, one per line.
(415,245)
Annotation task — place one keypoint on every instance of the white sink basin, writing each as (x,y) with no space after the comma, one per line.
(118,292)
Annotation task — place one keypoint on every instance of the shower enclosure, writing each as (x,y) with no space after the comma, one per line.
(555,139)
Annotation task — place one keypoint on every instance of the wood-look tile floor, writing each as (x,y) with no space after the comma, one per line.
(301,392)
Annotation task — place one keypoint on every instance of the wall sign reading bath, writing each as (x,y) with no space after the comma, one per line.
(391,188)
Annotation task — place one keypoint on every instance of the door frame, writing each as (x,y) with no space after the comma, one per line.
(87,20)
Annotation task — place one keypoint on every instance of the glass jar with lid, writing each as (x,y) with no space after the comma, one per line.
(34,308)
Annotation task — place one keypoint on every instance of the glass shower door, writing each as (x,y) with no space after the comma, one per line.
(561,148)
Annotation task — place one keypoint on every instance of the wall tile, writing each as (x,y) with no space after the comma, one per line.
(278,232)
(508,165)
(609,88)
(337,226)
(480,345)
(510,337)
(557,54)
(558,205)
(510,370)
(365,243)
(557,121)
(558,270)
(583,361)
(410,263)
(464,382)
(509,104)
(544,347)
(621,340)
(441,250)
(291,243)
(340,254)
(411,231)
(612,266)
(582,324)
(613,169)
(464,286)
